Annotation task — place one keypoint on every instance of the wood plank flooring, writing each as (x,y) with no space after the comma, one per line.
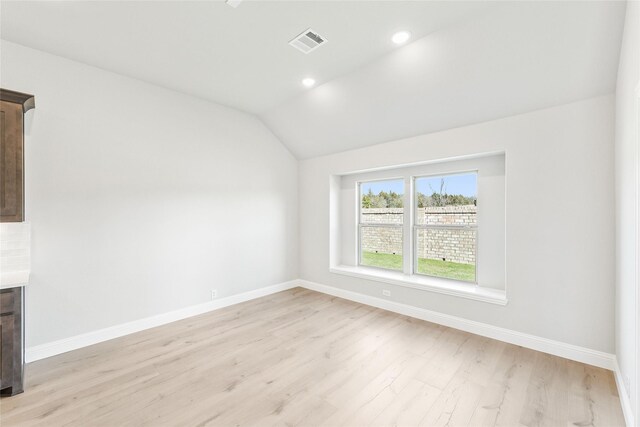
(303,358)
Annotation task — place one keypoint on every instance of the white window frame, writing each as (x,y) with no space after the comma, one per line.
(410,227)
(345,217)
(416,227)
(360,224)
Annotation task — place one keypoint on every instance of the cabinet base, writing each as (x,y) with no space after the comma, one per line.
(11,391)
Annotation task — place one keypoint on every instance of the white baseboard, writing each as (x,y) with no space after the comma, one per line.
(624,397)
(72,343)
(569,351)
(557,348)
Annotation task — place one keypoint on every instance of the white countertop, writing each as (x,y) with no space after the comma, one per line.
(13,279)
(15,254)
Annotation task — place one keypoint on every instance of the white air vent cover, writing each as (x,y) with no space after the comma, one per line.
(308,41)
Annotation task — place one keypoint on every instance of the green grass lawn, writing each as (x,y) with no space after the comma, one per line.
(432,267)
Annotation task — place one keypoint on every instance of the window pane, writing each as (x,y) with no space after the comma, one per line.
(381,247)
(446,252)
(381,202)
(447,199)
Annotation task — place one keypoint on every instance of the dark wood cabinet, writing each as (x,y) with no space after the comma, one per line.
(6,350)
(13,105)
(11,342)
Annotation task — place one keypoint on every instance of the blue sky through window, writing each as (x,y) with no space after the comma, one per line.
(376,187)
(464,184)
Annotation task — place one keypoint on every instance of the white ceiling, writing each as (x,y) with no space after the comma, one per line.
(512,59)
(237,57)
(468,61)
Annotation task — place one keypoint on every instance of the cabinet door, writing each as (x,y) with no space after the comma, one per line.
(11,162)
(6,350)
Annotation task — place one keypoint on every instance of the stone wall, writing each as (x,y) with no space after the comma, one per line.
(387,240)
(447,245)
(457,245)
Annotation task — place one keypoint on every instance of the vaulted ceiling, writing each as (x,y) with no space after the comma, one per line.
(466,61)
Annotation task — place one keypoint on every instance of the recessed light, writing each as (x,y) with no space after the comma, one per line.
(401,37)
(308,82)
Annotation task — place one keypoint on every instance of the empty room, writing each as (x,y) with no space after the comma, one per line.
(319,213)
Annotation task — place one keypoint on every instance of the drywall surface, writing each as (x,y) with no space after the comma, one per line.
(626,178)
(559,272)
(143,200)
(511,58)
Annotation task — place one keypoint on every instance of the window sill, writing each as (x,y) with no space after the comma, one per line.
(431,284)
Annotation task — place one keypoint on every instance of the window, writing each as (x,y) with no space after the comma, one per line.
(445,226)
(380,224)
(438,226)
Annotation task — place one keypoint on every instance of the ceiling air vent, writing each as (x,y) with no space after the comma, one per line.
(308,41)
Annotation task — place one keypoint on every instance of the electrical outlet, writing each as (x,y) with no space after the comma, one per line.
(386,292)
(214,293)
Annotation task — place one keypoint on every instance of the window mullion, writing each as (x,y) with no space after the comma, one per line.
(407,222)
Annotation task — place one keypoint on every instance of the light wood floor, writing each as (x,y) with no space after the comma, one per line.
(303,358)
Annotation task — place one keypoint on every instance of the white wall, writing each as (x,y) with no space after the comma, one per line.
(141,199)
(626,184)
(559,221)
